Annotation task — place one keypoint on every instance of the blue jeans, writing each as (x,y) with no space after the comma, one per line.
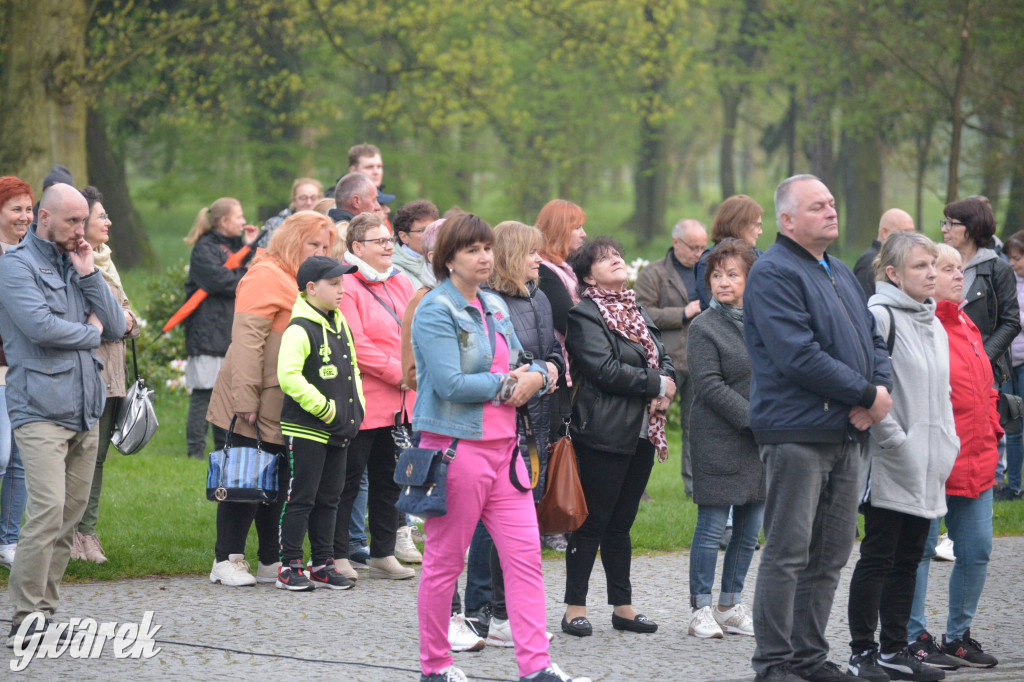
(1015,441)
(357,521)
(810,518)
(711,520)
(13,494)
(969,522)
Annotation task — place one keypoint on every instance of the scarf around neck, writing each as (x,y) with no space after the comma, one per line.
(368,271)
(620,312)
(105,264)
(729,312)
(565,274)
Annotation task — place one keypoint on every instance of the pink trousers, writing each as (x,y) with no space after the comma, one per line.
(478,488)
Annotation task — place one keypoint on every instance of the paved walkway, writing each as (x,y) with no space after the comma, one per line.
(369,633)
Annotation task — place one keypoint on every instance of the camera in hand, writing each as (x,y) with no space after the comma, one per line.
(518,358)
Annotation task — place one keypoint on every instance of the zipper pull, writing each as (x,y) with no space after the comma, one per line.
(826,405)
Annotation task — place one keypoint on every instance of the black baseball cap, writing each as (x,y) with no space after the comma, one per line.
(317,268)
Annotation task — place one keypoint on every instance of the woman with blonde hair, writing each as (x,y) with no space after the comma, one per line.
(247,387)
(306,195)
(218,232)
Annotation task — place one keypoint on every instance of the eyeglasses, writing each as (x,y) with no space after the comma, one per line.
(382,242)
(948,224)
(693,247)
(306,197)
(417,231)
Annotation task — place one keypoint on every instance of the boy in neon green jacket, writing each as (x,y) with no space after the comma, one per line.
(323,408)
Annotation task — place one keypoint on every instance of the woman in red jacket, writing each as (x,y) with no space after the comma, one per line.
(969,486)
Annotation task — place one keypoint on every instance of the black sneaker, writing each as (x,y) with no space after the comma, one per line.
(293,577)
(35,631)
(865,666)
(481,619)
(968,652)
(927,651)
(360,559)
(778,673)
(829,672)
(1007,494)
(329,577)
(903,665)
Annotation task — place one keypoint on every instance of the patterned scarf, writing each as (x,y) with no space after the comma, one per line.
(620,312)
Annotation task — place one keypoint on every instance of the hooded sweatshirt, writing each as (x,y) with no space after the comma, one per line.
(910,453)
(323,394)
(409,263)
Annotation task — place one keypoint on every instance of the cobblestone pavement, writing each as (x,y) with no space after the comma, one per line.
(213,632)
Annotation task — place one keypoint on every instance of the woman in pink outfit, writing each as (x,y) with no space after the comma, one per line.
(463,340)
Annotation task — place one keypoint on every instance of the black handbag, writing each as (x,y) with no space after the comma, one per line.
(422,474)
(135,421)
(242,474)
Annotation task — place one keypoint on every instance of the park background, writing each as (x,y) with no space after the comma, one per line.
(643,112)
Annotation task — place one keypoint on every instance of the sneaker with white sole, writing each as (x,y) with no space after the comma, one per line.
(704,625)
(735,621)
(360,558)
(388,568)
(865,666)
(7,555)
(967,651)
(330,577)
(553,674)
(267,573)
(462,636)
(293,577)
(449,674)
(405,548)
(903,665)
(234,572)
(500,633)
(927,650)
(944,549)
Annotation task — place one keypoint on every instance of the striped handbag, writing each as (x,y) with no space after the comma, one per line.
(242,474)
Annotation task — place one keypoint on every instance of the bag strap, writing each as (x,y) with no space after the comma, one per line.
(890,337)
(381,301)
(231,432)
(449,454)
(135,361)
(531,447)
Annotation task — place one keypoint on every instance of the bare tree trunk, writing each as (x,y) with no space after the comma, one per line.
(956,107)
(650,183)
(861,170)
(42,119)
(128,238)
(730,117)
(923,143)
(1015,204)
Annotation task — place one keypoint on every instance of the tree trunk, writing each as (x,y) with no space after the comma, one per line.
(923,143)
(861,169)
(1014,221)
(730,116)
(956,108)
(42,119)
(993,168)
(650,184)
(128,238)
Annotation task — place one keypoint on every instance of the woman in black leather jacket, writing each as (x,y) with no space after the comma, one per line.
(624,382)
(990,290)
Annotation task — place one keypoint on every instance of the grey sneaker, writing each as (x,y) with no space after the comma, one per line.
(905,666)
(926,650)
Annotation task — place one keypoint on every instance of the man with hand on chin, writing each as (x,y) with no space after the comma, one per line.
(55,310)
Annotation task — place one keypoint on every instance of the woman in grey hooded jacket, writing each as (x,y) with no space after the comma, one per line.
(908,458)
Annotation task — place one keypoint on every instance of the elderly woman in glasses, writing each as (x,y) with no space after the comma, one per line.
(375,300)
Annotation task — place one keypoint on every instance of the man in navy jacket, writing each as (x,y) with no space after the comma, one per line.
(821,377)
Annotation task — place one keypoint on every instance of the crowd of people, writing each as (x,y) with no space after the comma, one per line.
(331,334)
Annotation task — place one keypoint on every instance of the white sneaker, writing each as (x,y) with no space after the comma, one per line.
(735,621)
(389,569)
(704,625)
(499,633)
(462,636)
(944,549)
(449,674)
(7,555)
(234,572)
(267,573)
(405,548)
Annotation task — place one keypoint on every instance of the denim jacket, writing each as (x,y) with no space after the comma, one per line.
(453,361)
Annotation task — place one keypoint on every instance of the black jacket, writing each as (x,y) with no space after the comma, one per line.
(208,329)
(864,269)
(558,296)
(612,381)
(992,306)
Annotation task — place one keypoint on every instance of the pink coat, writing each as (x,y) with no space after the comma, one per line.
(377,337)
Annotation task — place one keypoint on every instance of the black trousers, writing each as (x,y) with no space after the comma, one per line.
(612,485)
(196,426)
(884,578)
(372,450)
(317,477)
(235,518)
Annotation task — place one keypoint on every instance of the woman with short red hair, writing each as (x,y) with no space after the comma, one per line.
(16,201)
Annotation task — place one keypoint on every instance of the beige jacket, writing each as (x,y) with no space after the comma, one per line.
(247,381)
(662,294)
(114,353)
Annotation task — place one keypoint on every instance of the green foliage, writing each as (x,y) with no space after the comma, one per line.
(160,355)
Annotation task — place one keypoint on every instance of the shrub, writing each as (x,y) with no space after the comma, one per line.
(162,356)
